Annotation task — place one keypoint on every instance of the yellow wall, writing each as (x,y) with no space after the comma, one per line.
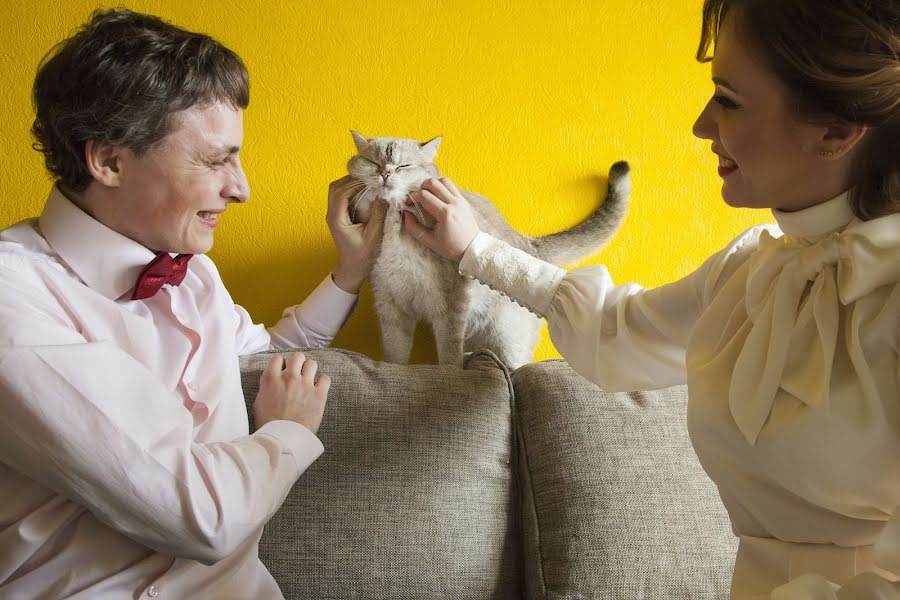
(534,99)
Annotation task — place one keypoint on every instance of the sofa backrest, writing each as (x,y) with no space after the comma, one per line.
(440,482)
(413,497)
(615,504)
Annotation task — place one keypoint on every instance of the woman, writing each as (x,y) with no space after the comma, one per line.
(788,338)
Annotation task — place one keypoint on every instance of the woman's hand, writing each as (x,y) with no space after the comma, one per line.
(357,243)
(455,226)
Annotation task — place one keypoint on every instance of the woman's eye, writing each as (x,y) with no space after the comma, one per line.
(726,103)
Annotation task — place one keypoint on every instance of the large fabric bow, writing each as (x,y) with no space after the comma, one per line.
(161,270)
(793,298)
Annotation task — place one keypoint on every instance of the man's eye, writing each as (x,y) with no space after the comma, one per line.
(726,103)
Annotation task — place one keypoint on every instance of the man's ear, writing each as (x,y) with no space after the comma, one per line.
(104,163)
(840,138)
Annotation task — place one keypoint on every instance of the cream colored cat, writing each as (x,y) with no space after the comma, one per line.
(410,283)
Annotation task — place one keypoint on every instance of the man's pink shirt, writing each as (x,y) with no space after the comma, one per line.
(126,466)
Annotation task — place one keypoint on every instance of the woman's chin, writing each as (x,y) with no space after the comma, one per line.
(733,198)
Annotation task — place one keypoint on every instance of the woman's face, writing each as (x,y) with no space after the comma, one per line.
(767,158)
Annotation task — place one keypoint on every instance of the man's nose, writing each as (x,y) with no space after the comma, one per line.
(238,189)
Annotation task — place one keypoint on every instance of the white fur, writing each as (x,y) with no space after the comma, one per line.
(411,283)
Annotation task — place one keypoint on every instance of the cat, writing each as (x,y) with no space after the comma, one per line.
(411,283)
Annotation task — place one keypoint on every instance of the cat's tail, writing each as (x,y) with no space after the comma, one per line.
(581,241)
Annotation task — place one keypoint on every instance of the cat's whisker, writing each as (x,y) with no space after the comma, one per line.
(357,198)
(418,209)
(356,201)
(349,186)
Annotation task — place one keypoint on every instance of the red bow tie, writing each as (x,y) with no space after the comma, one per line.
(161,270)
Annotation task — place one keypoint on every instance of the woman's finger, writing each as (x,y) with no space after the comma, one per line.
(451,186)
(438,189)
(430,203)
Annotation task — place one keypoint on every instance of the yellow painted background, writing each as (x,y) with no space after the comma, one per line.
(535,100)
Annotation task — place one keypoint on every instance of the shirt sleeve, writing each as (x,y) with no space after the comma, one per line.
(69,423)
(317,320)
(621,337)
(311,324)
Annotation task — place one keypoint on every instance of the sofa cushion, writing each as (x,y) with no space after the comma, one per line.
(413,497)
(615,503)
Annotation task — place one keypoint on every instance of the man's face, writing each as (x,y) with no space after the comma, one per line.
(170,199)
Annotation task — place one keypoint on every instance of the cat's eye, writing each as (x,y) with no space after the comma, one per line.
(371,162)
(403,166)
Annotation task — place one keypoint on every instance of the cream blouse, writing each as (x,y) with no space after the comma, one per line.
(789,346)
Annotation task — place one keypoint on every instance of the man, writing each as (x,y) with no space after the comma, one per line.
(126,466)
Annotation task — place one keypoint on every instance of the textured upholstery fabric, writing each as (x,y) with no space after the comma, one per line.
(413,497)
(615,503)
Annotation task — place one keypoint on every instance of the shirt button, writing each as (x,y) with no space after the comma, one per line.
(153,592)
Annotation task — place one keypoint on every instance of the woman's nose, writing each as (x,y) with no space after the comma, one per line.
(705,127)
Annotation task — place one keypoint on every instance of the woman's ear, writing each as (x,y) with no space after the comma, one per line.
(839,139)
(104,162)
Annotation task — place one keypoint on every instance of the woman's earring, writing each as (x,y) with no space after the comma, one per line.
(827,153)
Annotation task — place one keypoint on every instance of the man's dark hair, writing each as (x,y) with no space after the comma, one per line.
(119,80)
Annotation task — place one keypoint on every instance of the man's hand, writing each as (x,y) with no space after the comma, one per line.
(455,226)
(288,391)
(357,244)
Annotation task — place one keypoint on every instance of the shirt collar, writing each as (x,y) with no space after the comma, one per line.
(817,221)
(105,260)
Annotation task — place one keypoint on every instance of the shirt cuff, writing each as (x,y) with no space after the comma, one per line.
(302,443)
(529,281)
(326,310)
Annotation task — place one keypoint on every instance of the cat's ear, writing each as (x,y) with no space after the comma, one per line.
(429,148)
(360,141)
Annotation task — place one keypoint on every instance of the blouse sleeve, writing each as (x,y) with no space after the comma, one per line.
(621,337)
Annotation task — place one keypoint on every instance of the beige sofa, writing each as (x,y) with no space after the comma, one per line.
(474,483)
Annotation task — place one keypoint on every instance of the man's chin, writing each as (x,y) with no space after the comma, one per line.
(195,247)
